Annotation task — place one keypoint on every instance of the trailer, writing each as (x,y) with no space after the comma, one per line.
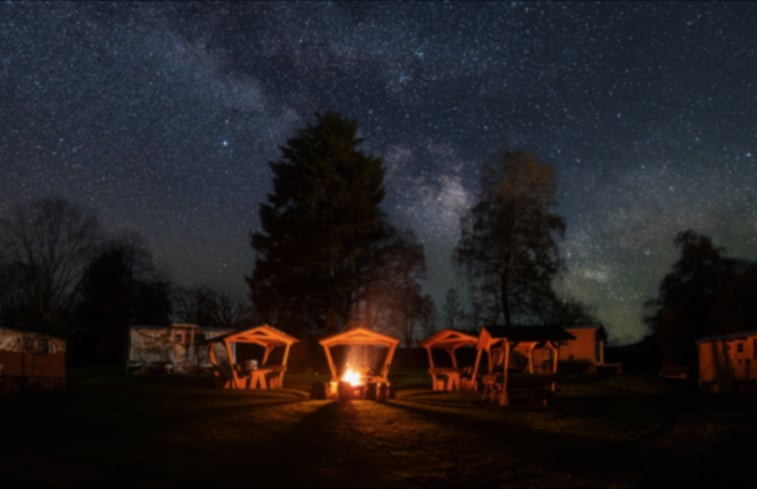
(31,361)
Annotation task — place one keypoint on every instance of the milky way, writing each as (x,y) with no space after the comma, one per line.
(162,118)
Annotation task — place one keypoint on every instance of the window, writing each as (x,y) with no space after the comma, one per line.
(179,337)
(43,347)
(740,347)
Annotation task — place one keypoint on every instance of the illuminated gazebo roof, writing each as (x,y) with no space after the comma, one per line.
(448,339)
(263,335)
(359,336)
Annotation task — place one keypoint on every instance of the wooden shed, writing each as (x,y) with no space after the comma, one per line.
(455,376)
(728,362)
(586,348)
(31,361)
(251,373)
(364,365)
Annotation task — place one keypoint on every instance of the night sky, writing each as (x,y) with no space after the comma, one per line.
(163,117)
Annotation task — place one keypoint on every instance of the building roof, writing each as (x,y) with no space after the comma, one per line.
(530,333)
(29,331)
(164,326)
(739,335)
(601,332)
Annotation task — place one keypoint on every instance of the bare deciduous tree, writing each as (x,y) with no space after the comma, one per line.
(210,306)
(52,241)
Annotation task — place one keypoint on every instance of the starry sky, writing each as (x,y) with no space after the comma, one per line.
(162,118)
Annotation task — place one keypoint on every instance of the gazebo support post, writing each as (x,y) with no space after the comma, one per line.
(232,361)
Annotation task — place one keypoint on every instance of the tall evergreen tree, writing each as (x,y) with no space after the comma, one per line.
(508,244)
(321,229)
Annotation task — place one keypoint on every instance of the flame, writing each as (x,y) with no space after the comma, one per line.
(352,376)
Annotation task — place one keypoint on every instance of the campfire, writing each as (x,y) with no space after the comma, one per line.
(352,377)
(366,357)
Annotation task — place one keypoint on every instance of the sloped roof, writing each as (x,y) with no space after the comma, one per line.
(265,335)
(601,332)
(6,330)
(164,326)
(359,336)
(448,338)
(530,333)
(739,335)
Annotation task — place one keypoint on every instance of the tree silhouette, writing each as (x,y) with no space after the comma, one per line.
(508,245)
(45,247)
(212,307)
(685,307)
(452,309)
(321,229)
(567,311)
(120,287)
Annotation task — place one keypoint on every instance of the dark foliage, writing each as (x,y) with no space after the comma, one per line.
(704,294)
(323,240)
(212,307)
(120,287)
(45,247)
(508,245)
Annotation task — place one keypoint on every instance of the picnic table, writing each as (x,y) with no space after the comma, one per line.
(445,378)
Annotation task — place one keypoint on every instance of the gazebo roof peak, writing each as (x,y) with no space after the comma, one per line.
(359,335)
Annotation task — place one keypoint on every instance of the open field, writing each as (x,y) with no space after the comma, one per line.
(171,431)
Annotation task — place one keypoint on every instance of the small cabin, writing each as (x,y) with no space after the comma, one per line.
(31,361)
(173,348)
(585,351)
(728,362)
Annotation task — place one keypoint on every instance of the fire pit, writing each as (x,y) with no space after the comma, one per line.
(357,382)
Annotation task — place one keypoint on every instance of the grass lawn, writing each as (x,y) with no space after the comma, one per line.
(110,429)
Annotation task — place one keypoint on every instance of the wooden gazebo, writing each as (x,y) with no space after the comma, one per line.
(250,375)
(359,336)
(449,378)
(536,376)
(498,361)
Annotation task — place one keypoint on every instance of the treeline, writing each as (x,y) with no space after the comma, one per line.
(61,274)
(326,257)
